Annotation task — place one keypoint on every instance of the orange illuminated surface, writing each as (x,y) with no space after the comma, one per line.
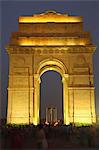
(49,16)
(26,67)
(24,41)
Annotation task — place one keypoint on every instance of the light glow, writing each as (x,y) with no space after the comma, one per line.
(26,69)
(49,17)
(24,41)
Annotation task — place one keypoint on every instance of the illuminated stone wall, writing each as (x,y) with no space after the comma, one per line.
(51,41)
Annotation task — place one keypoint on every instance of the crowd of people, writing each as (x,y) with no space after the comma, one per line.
(45,136)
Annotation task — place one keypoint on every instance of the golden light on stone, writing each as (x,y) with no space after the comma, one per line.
(51,41)
(49,17)
(24,41)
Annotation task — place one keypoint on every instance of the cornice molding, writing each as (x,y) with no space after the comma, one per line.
(81,88)
(49,49)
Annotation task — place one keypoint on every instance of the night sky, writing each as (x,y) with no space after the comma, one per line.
(89,10)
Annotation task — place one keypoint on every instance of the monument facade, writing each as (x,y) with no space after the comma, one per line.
(51,41)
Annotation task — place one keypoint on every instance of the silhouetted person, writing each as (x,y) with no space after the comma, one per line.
(91,136)
(41,138)
(16,139)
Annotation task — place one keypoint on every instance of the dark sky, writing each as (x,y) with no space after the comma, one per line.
(89,10)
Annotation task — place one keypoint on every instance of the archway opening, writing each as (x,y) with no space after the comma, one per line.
(51,96)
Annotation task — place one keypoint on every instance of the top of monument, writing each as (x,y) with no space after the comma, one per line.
(49,16)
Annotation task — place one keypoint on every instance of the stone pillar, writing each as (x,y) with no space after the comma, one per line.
(65,98)
(30,99)
(36,99)
(9,110)
(92,103)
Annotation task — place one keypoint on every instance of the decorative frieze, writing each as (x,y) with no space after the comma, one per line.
(50,49)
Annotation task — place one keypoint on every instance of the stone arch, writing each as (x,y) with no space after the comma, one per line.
(59,67)
(52,63)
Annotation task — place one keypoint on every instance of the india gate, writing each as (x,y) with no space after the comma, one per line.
(50,41)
